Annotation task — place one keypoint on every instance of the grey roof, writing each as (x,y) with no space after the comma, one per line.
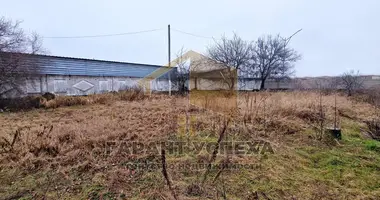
(57,65)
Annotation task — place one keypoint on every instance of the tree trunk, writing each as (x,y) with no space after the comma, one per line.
(232,86)
(262,84)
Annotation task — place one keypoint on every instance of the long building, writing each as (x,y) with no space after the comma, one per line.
(79,76)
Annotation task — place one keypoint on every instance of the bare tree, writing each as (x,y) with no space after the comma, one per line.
(15,64)
(232,55)
(35,44)
(272,58)
(181,77)
(333,83)
(351,81)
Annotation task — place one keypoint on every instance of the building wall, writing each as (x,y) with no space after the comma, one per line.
(248,84)
(367,82)
(84,85)
(208,84)
(371,82)
(211,84)
(215,84)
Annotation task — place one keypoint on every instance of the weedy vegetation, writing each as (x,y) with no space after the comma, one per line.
(58,150)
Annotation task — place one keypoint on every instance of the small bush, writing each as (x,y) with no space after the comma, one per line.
(335,161)
(67,101)
(132,94)
(48,96)
(373,146)
(374,129)
(103,98)
(25,140)
(24,103)
(194,190)
(371,96)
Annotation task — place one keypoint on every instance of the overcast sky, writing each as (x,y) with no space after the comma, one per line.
(338,35)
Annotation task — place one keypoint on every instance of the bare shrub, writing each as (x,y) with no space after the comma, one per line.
(181,77)
(215,151)
(25,103)
(48,96)
(166,175)
(129,94)
(371,96)
(66,138)
(374,129)
(351,82)
(67,101)
(7,145)
(293,112)
(218,101)
(194,190)
(49,100)
(24,140)
(132,94)
(103,98)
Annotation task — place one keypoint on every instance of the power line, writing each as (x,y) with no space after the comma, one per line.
(106,35)
(127,33)
(195,35)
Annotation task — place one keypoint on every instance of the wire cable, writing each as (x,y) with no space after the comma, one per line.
(195,35)
(106,35)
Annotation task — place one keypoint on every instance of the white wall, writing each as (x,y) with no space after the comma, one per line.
(248,85)
(83,85)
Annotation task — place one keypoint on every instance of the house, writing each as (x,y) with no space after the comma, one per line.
(79,76)
(206,74)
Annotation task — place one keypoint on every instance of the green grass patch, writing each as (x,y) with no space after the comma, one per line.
(372,145)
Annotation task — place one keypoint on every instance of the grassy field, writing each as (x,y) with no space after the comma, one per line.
(58,152)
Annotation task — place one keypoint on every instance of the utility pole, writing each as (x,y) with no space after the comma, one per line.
(169,61)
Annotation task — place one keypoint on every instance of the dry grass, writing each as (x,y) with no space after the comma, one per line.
(46,100)
(275,114)
(68,141)
(128,95)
